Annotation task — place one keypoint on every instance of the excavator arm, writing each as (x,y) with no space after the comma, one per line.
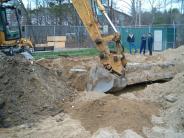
(113,61)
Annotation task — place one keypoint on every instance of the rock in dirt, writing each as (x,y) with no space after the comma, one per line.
(130,134)
(157,120)
(106,133)
(111,133)
(171,98)
(161,132)
(28,91)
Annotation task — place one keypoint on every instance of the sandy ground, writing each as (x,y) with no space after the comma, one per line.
(148,110)
(119,113)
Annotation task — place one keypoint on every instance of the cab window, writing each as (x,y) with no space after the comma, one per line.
(12,24)
(1,25)
(2,18)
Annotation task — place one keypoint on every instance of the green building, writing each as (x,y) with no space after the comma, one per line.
(164,36)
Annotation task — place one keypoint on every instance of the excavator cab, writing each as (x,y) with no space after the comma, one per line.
(9,24)
(11,40)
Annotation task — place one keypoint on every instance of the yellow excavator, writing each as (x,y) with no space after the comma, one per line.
(11,40)
(114,62)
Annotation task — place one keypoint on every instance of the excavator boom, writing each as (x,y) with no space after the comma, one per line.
(113,61)
(92,26)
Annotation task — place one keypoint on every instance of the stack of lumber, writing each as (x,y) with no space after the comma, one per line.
(53,43)
(43,47)
(56,41)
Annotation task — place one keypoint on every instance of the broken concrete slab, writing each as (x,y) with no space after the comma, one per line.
(145,72)
(100,80)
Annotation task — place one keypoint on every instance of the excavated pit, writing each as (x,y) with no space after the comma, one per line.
(78,71)
(151,109)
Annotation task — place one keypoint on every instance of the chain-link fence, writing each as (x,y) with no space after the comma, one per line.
(76,36)
(165,36)
(169,36)
(179,35)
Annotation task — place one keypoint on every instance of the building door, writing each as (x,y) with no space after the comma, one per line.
(158,40)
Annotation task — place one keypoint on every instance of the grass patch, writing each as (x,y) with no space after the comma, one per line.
(69,53)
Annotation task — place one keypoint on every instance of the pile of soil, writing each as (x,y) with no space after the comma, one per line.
(119,113)
(177,56)
(29,91)
(170,95)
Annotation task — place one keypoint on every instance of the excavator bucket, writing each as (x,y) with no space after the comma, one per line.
(101,80)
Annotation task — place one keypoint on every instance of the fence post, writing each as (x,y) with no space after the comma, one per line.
(25,32)
(54,30)
(54,34)
(149,28)
(174,43)
(78,29)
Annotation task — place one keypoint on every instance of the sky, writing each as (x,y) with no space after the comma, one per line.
(120,3)
(25,2)
(124,5)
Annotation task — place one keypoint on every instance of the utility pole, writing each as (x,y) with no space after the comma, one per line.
(37,12)
(182,7)
(171,11)
(137,9)
(133,11)
(111,11)
(140,12)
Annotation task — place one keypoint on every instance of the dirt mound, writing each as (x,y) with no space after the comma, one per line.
(28,91)
(119,113)
(177,56)
(170,95)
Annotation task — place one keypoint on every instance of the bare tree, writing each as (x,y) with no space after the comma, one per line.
(131,6)
(27,15)
(157,5)
(181,2)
